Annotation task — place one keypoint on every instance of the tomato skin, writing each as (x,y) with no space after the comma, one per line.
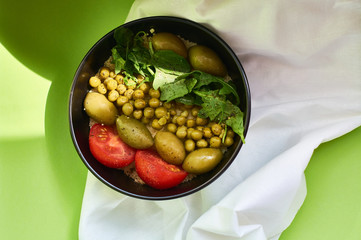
(157,173)
(107,147)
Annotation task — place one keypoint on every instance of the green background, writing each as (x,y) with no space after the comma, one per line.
(41,176)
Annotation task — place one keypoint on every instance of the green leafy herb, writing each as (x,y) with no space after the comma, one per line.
(172,73)
(217,107)
(210,92)
(131,56)
(168,66)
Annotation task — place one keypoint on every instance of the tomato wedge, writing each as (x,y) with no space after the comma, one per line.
(155,172)
(107,147)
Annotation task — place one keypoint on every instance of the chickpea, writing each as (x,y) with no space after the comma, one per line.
(122,100)
(189,132)
(230,133)
(202,143)
(200,128)
(127,109)
(119,79)
(156,125)
(139,103)
(195,111)
(138,114)
(104,72)
(216,129)
(140,77)
(174,119)
(191,122)
(181,132)
(201,121)
(121,88)
(112,74)
(167,105)
(144,87)
(228,141)
(162,121)
(154,93)
(102,89)
(172,111)
(131,84)
(160,112)
(171,127)
(207,132)
(189,145)
(129,93)
(113,95)
(94,81)
(112,84)
(181,120)
(215,142)
(107,80)
(148,112)
(145,120)
(154,102)
(196,134)
(185,114)
(138,94)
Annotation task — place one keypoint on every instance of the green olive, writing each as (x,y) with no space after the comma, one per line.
(169,147)
(202,160)
(205,59)
(98,107)
(134,133)
(169,41)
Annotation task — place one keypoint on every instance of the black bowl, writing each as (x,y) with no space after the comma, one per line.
(95,58)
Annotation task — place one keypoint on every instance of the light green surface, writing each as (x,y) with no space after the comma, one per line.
(41,177)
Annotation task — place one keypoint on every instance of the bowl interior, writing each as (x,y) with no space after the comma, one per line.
(95,58)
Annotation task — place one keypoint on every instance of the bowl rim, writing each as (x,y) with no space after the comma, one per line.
(247,111)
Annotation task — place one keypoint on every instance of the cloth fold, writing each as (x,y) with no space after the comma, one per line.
(302,60)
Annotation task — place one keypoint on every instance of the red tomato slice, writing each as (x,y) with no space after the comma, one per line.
(107,147)
(157,173)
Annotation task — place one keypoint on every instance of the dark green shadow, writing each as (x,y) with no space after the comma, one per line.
(51,38)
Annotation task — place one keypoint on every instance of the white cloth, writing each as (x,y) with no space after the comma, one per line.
(303,62)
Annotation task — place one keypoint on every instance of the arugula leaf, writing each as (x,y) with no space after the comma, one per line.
(123,36)
(190,99)
(168,66)
(225,88)
(180,88)
(118,60)
(217,107)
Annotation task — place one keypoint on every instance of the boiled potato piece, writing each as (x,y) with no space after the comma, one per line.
(202,160)
(205,59)
(169,147)
(134,132)
(169,41)
(99,108)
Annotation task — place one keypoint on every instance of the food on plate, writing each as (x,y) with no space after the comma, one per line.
(167,101)
(107,147)
(205,59)
(98,107)
(202,160)
(134,133)
(170,147)
(157,173)
(169,41)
